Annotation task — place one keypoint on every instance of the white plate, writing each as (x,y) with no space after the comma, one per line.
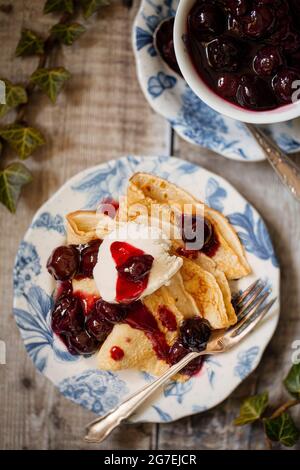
(77,377)
(193,120)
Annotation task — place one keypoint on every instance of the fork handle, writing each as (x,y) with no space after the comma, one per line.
(100,428)
(286,169)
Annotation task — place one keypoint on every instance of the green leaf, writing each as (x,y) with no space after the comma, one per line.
(12,179)
(292,381)
(90,7)
(30,44)
(67,33)
(252,409)
(14,95)
(50,81)
(282,429)
(24,140)
(61,6)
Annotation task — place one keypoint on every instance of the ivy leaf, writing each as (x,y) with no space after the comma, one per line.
(90,7)
(252,409)
(30,44)
(61,6)
(14,95)
(50,81)
(67,33)
(292,381)
(12,179)
(24,140)
(282,429)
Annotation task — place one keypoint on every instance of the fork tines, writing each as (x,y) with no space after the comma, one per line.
(251,305)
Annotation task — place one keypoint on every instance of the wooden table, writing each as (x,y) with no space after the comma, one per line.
(103,115)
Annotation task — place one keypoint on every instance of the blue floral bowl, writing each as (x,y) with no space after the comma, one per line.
(193,120)
(77,377)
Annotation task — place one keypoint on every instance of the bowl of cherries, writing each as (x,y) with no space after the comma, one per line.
(242,57)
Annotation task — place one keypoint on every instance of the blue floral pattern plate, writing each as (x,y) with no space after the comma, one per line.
(77,377)
(192,119)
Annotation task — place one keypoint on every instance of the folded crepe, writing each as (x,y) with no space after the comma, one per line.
(229,257)
(199,288)
(137,345)
(85,226)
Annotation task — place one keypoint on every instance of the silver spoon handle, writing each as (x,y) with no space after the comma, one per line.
(99,429)
(286,169)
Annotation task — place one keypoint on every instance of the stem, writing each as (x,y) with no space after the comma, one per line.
(285,407)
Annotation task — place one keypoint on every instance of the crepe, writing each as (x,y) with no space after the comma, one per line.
(199,288)
(85,226)
(230,256)
(136,345)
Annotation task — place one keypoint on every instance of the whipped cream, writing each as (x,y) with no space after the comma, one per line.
(152,241)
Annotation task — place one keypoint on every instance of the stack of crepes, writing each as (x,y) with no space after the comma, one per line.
(200,287)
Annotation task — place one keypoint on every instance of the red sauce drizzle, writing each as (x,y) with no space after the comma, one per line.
(140,318)
(167,318)
(211,247)
(191,254)
(127,290)
(116,353)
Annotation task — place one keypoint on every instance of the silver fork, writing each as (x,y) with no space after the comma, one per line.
(250,307)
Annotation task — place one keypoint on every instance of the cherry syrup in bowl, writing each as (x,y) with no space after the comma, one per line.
(242,57)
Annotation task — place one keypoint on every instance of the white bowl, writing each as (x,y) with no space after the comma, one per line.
(199,87)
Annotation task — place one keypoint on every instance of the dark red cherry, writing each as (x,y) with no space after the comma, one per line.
(98,328)
(207,20)
(82,343)
(285,84)
(165,44)
(258,22)
(63,263)
(89,256)
(266,2)
(291,42)
(191,224)
(193,367)
(254,93)
(295,8)
(237,7)
(280,32)
(63,288)
(177,352)
(267,61)
(195,333)
(168,54)
(227,85)
(136,267)
(294,60)
(113,313)
(234,26)
(68,316)
(223,54)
